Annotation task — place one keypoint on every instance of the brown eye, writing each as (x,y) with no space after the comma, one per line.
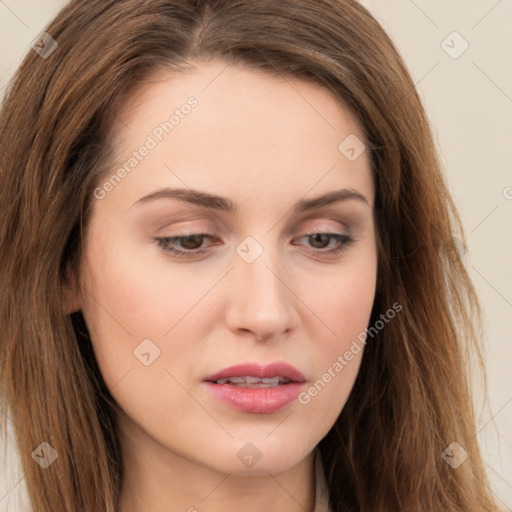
(192,242)
(183,246)
(327,244)
(319,240)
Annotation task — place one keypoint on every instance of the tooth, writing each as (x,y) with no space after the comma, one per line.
(271,380)
(254,381)
(236,380)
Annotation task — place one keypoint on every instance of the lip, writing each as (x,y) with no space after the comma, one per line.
(261,371)
(257,400)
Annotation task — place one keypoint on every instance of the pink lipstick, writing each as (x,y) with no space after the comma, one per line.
(257,389)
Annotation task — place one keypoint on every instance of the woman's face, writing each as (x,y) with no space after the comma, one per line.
(269,185)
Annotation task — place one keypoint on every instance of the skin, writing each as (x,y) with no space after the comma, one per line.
(265,143)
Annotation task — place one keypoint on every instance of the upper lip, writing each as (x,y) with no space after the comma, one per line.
(278,369)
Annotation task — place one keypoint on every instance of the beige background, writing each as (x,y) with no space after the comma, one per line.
(469,102)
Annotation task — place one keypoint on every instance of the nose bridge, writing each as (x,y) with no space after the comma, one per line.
(261,300)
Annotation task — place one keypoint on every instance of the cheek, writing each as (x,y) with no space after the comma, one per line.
(123,305)
(338,356)
(343,301)
(344,305)
(134,296)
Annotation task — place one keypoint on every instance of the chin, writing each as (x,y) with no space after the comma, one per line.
(260,455)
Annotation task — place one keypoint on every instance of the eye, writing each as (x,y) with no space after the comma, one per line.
(322,241)
(192,245)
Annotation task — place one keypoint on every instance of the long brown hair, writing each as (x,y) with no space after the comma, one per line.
(411,398)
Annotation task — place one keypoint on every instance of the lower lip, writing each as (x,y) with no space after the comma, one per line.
(256,400)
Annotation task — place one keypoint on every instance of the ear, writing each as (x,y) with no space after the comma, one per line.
(71,294)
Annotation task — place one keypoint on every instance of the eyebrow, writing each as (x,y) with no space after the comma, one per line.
(215,202)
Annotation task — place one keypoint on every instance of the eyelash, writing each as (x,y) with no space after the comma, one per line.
(343,240)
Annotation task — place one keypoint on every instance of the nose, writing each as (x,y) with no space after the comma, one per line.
(261,299)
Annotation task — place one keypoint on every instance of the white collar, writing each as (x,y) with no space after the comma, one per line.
(321,491)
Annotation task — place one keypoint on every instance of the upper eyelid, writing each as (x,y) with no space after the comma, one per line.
(187,231)
(329,212)
(302,233)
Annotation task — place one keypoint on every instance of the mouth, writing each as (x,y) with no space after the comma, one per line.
(258,376)
(252,388)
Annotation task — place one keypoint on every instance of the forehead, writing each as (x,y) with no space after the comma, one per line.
(246,127)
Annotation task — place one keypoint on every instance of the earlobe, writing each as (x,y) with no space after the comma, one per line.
(70,295)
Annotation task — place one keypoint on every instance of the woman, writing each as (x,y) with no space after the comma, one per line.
(229,275)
